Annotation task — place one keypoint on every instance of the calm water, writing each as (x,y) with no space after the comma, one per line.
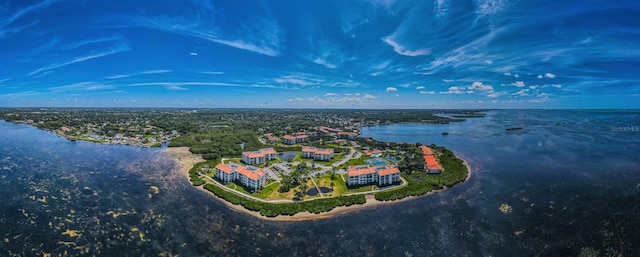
(572,179)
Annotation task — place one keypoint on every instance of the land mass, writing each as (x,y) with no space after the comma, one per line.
(276,164)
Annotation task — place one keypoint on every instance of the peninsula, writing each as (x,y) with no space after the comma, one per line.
(275,164)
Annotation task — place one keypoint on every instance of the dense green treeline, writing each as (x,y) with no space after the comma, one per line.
(222,143)
(205,166)
(420,183)
(275,209)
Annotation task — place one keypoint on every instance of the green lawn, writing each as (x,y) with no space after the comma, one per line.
(354,162)
(298,158)
(336,157)
(267,190)
(362,189)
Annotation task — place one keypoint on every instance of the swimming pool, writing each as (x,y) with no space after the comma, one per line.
(376,161)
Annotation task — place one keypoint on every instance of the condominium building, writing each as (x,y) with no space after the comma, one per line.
(431,165)
(258,157)
(271,138)
(299,138)
(249,176)
(363,174)
(347,135)
(321,154)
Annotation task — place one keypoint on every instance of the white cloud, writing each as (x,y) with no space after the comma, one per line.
(543,95)
(518,84)
(403,50)
(507,73)
(539,76)
(516,75)
(175,87)
(479,86)
(356,94)
(423,92)
(420,87)
(549,75)
(534,87)
(492,95)
(324,63)
(117,49)
(297,99)
(431,92)
(557,85)
(212,72)
(193,54)
(522,92)
(82,86)
(453,90)
(404,85)
(368,96)
(391,89)
(330,94)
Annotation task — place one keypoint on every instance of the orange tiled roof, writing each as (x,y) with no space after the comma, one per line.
(247,173)
(431,162)
(317,150)
(388,170)
(259,153)
(426,150)
(288,137)
(224,168)
(324,151)
(358,170)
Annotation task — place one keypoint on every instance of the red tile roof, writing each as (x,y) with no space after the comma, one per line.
(314,150)
(360,170)
(224,168)
(388,170)
(259,153)
(431,162)
(253,175)
(249,174)
(426,150)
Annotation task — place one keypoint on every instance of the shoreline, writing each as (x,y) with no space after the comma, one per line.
(185,160)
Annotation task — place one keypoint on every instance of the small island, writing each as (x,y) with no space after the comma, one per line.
(275,164)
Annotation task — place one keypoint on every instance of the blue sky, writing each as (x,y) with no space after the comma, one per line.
(320,54)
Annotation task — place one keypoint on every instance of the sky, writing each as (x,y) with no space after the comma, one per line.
(381,54)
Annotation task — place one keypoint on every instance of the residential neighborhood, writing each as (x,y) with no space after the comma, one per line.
(296,167)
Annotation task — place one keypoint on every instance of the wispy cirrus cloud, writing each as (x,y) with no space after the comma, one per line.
(49,68)
(82,86)
(121,76)
(258,33)
(24,11)
(83,43)
(403,50)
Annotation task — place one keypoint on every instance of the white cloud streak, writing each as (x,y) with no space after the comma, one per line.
(402,50)
(44,70)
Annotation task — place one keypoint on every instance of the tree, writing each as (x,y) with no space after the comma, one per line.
(298,195)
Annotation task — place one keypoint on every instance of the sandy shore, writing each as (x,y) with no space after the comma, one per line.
(186,160)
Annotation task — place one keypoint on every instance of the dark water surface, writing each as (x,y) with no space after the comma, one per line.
(568,182)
